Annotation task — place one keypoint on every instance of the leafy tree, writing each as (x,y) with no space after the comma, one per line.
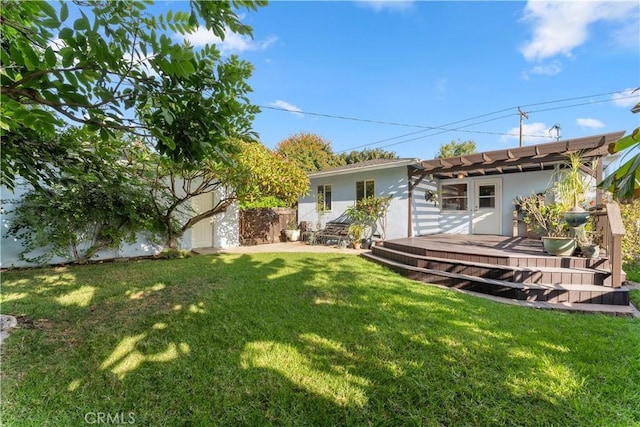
(254,172)
(309,152)
(367,154)
(114,69)
(455,149)
(76,217)
(624,182)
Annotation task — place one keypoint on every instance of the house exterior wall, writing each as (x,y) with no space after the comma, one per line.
(513,185)
(425,215)
(388,182)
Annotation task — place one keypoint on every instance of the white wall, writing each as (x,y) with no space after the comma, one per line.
(425,215)
(225,229)
(11,247)
(521,184)
(388,182)
(428,219)
(220,231)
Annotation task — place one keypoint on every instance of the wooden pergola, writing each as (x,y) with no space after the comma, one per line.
(521,159)
(532,158)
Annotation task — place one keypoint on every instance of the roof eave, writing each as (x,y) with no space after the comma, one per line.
(333,172)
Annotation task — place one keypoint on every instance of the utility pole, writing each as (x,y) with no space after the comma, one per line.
(522,114)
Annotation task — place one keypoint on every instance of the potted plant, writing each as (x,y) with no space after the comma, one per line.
(292,232)
(547,220)
(571,190)
(589,240)
(356,231)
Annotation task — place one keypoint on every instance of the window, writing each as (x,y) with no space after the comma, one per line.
(323,203)
(454,197)
(487,196)
(365,189)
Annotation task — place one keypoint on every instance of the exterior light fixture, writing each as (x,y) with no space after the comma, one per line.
(460,175)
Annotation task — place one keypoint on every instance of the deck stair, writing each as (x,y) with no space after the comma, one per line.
(512,274)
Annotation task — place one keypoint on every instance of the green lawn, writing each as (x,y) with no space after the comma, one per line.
(300,339)
(633,274)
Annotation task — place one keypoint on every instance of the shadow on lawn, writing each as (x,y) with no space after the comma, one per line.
(301,339)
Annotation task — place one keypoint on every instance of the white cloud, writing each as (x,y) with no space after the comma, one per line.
(289,107)
(392,5)
(532,133)
(232,43)
(626,98)
(561,26)
(590,123)
(550,69)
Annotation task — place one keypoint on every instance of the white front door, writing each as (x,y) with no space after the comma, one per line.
(487,205)
(202,231)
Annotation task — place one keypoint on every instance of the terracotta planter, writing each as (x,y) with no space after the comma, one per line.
(559,246)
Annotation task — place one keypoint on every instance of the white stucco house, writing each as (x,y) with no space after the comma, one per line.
(341,187)
(471,194)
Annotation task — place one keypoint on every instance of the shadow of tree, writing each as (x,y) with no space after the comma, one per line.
(302,339)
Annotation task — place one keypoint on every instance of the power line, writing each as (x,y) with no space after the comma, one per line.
(443,128)
(341,117)
(462,128)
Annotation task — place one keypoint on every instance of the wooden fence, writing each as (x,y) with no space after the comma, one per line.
(264,225)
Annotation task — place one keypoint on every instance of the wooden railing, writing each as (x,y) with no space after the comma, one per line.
(609,225)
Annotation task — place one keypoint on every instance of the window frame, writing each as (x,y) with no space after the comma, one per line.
(364,183)
(464,197)
(322,191)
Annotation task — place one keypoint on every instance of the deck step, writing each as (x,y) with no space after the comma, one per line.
(539,275)
(551,293)
(493,257)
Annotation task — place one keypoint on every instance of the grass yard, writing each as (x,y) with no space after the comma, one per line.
(633,274)
(300,339)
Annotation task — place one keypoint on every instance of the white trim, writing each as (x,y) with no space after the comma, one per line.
(333,172)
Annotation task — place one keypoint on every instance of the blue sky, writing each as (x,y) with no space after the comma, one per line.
(425,68)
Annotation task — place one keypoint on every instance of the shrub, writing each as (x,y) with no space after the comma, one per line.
(631,240)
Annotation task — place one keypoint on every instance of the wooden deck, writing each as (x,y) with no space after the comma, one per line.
(510,267)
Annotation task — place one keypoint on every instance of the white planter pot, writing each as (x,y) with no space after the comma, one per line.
(292,235)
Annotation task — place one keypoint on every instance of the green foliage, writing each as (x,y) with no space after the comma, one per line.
(545,219)
(252,173)
(356,232)
(631,240)
(175,254)
(572,184)
(624,182)
(260,172)
(633,272)
(370,212)
(114,68)
(455,149)
(262,202)
(79,218)
(367,154)
(634,297)
(309,152)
